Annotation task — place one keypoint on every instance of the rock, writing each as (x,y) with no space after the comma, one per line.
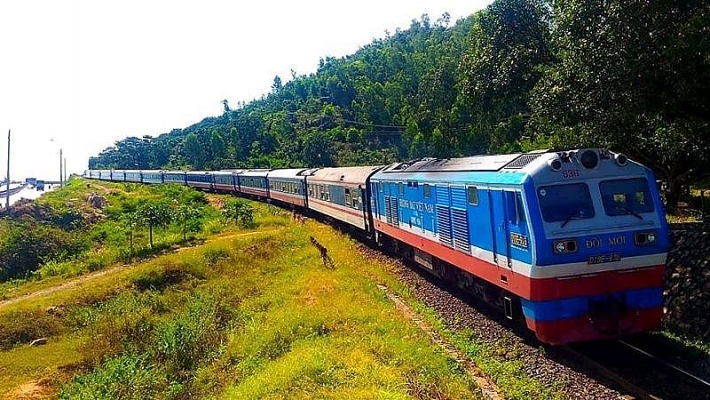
(687,281)
(96,200)
(55,310)
(39,342)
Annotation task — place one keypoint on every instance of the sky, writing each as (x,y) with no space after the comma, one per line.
(79,75)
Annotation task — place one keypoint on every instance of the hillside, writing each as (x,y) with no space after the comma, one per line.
(633,76)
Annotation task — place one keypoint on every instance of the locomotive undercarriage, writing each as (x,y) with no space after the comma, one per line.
(494,296)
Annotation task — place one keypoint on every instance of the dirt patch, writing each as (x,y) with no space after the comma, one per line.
(63,286)
(31,390)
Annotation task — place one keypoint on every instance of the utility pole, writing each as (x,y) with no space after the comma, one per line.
(65,169)
(7,202)
(61,175)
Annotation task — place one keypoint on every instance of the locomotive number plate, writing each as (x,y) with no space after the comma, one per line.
(604,258)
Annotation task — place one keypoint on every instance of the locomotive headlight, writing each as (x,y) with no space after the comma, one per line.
(645,238)
(555,164)
(565,246)
(621,159)
(560,247)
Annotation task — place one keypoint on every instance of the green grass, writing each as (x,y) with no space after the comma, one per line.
(250,313)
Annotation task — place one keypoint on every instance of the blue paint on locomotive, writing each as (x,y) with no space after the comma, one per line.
(461,209)
(573,307)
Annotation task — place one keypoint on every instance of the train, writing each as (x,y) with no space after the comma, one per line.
(571,243)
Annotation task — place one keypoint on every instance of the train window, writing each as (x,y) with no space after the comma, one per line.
(626,196)
(519,208)
(401,189)
(347,197)
(472,195)
(427,191)
(563,203)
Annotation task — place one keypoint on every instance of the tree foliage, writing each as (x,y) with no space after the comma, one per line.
(240,211)
(520,74)
(154,213)
(633,76)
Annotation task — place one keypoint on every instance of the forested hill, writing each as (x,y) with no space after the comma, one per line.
(631,75)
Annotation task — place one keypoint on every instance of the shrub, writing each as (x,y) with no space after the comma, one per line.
(21,327)
(240,211)
(28,245)
(124,377)
(190,338)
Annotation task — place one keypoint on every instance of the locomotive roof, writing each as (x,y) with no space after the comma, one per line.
(491,163)
(353,175)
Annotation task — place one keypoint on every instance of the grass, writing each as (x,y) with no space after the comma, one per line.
(248,314)
(240,317)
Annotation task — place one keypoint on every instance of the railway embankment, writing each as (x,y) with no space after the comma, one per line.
(687,292)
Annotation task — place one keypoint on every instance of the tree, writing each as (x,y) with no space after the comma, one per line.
(189,219)
(154,213)
(218,149)
(194,151)
(510,45)
(240,211)
(634,76)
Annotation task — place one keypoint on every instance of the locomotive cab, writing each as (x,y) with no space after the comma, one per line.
(602,241)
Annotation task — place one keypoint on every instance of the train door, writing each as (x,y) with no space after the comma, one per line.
(500,226)
(375,198)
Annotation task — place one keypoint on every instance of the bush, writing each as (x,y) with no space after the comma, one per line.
(191,337)
(28,245)
(240,211)
(123,377)
(21,327)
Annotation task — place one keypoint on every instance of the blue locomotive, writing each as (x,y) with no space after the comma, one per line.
(573,242)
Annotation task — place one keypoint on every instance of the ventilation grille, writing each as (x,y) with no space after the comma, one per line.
(460,221)
(443,220)
(521,161)
(391,210)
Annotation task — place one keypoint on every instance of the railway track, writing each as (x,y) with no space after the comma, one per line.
(638,372)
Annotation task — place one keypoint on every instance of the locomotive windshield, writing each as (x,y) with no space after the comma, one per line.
(563,203)
(626,196)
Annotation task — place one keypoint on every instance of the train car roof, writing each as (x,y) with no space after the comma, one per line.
(227,172)
(174,172)
(198,172)
(293,173)
(255,172)
(352,175)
